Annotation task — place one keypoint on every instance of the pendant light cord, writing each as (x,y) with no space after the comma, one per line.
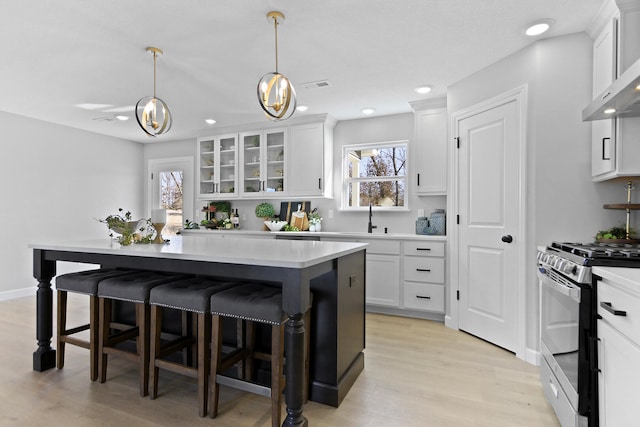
(275,27)
(155,54)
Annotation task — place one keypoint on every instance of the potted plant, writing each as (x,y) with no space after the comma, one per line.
(315,221)
(129,231)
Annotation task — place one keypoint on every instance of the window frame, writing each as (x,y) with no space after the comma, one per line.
(346,180)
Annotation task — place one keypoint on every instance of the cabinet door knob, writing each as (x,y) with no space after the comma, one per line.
(507,239)
(423,249)
(423,297)
(604,155)
(423,269)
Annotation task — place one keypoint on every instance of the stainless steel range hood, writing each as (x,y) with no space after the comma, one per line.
(623,95)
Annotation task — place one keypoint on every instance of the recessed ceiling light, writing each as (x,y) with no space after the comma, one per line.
(123,118)
(93,106)
(610,111)
(538,27)
(302,108)
(210,121)
(368,110)
(423,89)
(638,87)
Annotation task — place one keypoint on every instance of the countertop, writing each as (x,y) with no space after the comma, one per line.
(319,234)
(263,252)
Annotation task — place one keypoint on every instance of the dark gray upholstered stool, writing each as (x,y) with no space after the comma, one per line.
(190,295)
(134,288)
(254,303)
(86,283)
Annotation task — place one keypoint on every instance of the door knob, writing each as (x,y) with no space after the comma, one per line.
(507,238)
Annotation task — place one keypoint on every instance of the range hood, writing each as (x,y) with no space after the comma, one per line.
(623,95)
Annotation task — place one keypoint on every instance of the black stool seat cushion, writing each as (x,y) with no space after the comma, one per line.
(86,282)
(134,287)
(192,294)
(253,301)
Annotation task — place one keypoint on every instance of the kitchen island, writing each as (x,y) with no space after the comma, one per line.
(333,271)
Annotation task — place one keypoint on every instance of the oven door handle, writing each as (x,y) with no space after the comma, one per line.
(571,291)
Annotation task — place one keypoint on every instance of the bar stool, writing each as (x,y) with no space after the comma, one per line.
(190,296)
(254,303)
(134,288)
(86,283)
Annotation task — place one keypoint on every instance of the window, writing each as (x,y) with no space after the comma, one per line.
(375,174)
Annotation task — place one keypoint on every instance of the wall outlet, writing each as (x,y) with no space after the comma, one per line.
(330,213)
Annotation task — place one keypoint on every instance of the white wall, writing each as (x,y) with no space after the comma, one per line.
(374,129)
(57,180)
(563,203)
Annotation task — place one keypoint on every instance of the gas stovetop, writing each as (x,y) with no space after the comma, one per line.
(605,254)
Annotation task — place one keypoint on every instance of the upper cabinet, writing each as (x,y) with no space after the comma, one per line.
(263,162)
(614,147)
(269,163)
(429,148)
(310,160)
(217,163)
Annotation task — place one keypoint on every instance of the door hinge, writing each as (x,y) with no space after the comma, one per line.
(457,141)
(458,295)
(457,219)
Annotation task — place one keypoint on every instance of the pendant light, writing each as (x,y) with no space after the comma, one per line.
(276,94)
(152,113)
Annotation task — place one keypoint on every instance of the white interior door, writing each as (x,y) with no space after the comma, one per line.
(489,211)
(171,187)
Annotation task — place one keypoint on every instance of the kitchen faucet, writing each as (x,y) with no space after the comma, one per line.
(371,226)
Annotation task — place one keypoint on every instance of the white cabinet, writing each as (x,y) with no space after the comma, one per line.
(429,148)
(382,280)
(263,158)
(423,268)
(618,353)
(217,164)
(614,147)
(310,160)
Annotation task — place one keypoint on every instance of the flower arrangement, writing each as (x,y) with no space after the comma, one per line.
(129,231)
(315,218)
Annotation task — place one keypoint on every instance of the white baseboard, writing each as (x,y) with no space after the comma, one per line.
(532,356)
(17,293)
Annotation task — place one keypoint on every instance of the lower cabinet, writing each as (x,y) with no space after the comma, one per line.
(618,353)
(383,287)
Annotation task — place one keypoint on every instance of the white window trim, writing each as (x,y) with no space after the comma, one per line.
(344,205)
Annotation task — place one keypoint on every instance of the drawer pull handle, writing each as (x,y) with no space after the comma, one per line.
(607,306)
(423,297)
(423,269)
(423,249)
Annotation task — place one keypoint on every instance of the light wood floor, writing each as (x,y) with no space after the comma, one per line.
(417,373)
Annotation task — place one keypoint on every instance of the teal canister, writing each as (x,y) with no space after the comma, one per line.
(437,222)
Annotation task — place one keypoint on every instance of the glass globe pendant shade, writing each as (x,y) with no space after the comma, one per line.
(153,115)
(277,96)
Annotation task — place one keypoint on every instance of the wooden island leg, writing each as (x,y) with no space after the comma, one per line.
(294,396)
(45,356)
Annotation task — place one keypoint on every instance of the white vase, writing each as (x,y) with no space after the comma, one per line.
(312,227)
(319,226)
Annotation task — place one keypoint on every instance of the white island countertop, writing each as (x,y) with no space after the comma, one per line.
(255,251)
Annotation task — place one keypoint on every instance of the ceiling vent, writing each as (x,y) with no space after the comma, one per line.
(316,85)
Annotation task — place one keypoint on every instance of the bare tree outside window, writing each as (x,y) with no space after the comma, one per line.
(171,200)
(376,174)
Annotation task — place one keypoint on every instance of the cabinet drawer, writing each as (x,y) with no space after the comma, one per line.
(426,248)
(422,269)
(618,299)
(424,296)
(382,247)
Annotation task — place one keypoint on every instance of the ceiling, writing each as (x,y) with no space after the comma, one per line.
(61,54)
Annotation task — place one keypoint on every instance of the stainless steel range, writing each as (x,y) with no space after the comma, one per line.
(568,325)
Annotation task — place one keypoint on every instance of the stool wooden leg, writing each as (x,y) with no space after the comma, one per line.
(277,359)
(94,321)
(61,327)
(216,350)
(204,361)
(154,348)
(104,327)
(142,321)
(249,344)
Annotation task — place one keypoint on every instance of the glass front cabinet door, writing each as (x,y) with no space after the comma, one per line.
(217,165)
(263,161)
